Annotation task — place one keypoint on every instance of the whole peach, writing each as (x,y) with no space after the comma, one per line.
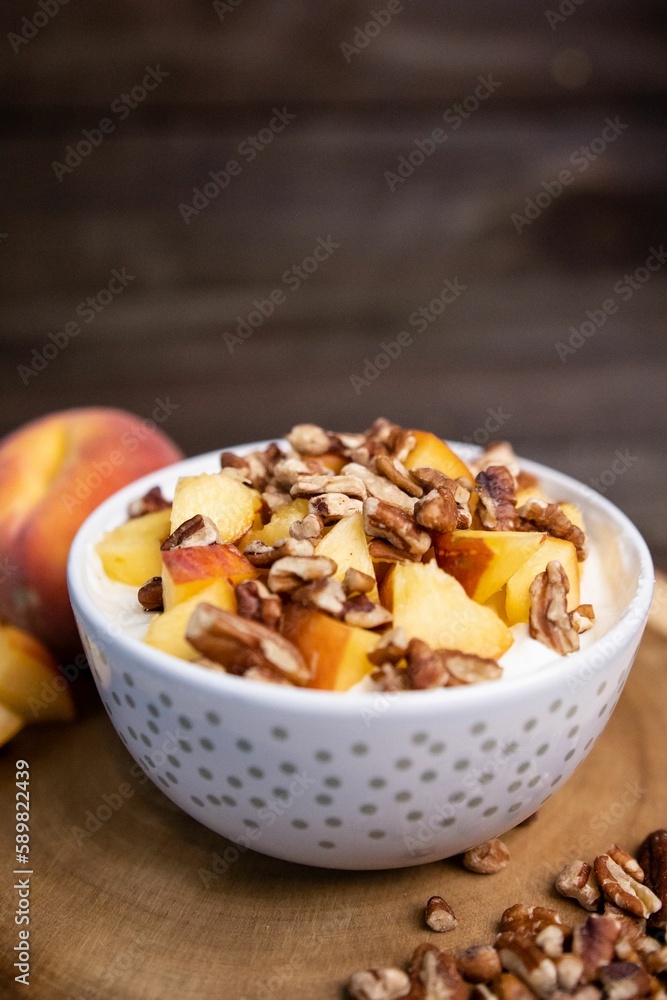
(53,472)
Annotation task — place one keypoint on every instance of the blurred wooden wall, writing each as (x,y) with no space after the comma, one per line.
(323,176)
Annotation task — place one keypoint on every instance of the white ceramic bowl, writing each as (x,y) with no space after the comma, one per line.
(361,780)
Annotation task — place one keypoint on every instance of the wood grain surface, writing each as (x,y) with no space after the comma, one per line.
(135,911)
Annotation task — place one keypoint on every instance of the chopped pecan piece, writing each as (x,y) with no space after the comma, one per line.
(630,928)
(262,555)
(256,601)
(497,498)
(569,970)
(325,594)
(334,506)
(197,530)
(487,858)
(309,439)
(479,964)
(577,880)
(468,668)
(582,618)
(240,644)
(149,503)
(629,864)
(498,453)
(549,620)
(266,676)
(433,479)
(652,856)
(288,470)
(150,595)
(383,552)
(309,527)
(437,511)
(391,648)
(379,984)
(529,919)
(356,582)
(290,572)
(379,486)
(396,473)
(364,613)
(439,915)
(273,498)
(520,956)
(623,890)
(390,678)
(541,515)
(385,520)
(507,986)
(250,468)
(427,668)
(434,976)
(655,961)
(594,942)
(625,981)
(312,486)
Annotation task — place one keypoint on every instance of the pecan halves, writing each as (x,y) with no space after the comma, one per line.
(197,530)
(540,515)
(309,439)
(549,620)
(498,453)
(240,644)
(364,613)
(594,942)
(262,555)
(623,890)
(468,668)
(385,520)
(437,511)
(577,880)
(497,498)
(291,572)
(255,601)
(427,668)
(396,473)
(520,956)
(379,486)
(149,503)
(330,507)
(309,528)
(312,486)
(326,594)
(652,856)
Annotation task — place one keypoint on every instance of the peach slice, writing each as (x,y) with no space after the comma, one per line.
(131,553)
(222,497)
(167,630)
(335,652)
(278,527)
(10,724)
(430,451)
(517,592)
(346,544)
(188,571)
(483,561)
(431,605)
(30,683)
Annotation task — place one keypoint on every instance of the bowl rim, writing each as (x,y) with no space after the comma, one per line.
(628,627)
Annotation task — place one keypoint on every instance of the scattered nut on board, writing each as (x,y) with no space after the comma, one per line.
(439,915)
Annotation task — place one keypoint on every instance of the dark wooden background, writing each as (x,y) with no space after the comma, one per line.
(163,337)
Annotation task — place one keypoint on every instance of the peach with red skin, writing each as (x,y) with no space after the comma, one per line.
(53,472)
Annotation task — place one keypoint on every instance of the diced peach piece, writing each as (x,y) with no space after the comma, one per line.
(278,527)
(431,605)
(430,451)
(483,561)
(332,460)
(228,502)
(188,571)
(346,544)
(335,652)
(531,493)
(517,598)
(167,630)
(131,553)
(30,683)
(10,724)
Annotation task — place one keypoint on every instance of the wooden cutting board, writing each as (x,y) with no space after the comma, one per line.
(130,912)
